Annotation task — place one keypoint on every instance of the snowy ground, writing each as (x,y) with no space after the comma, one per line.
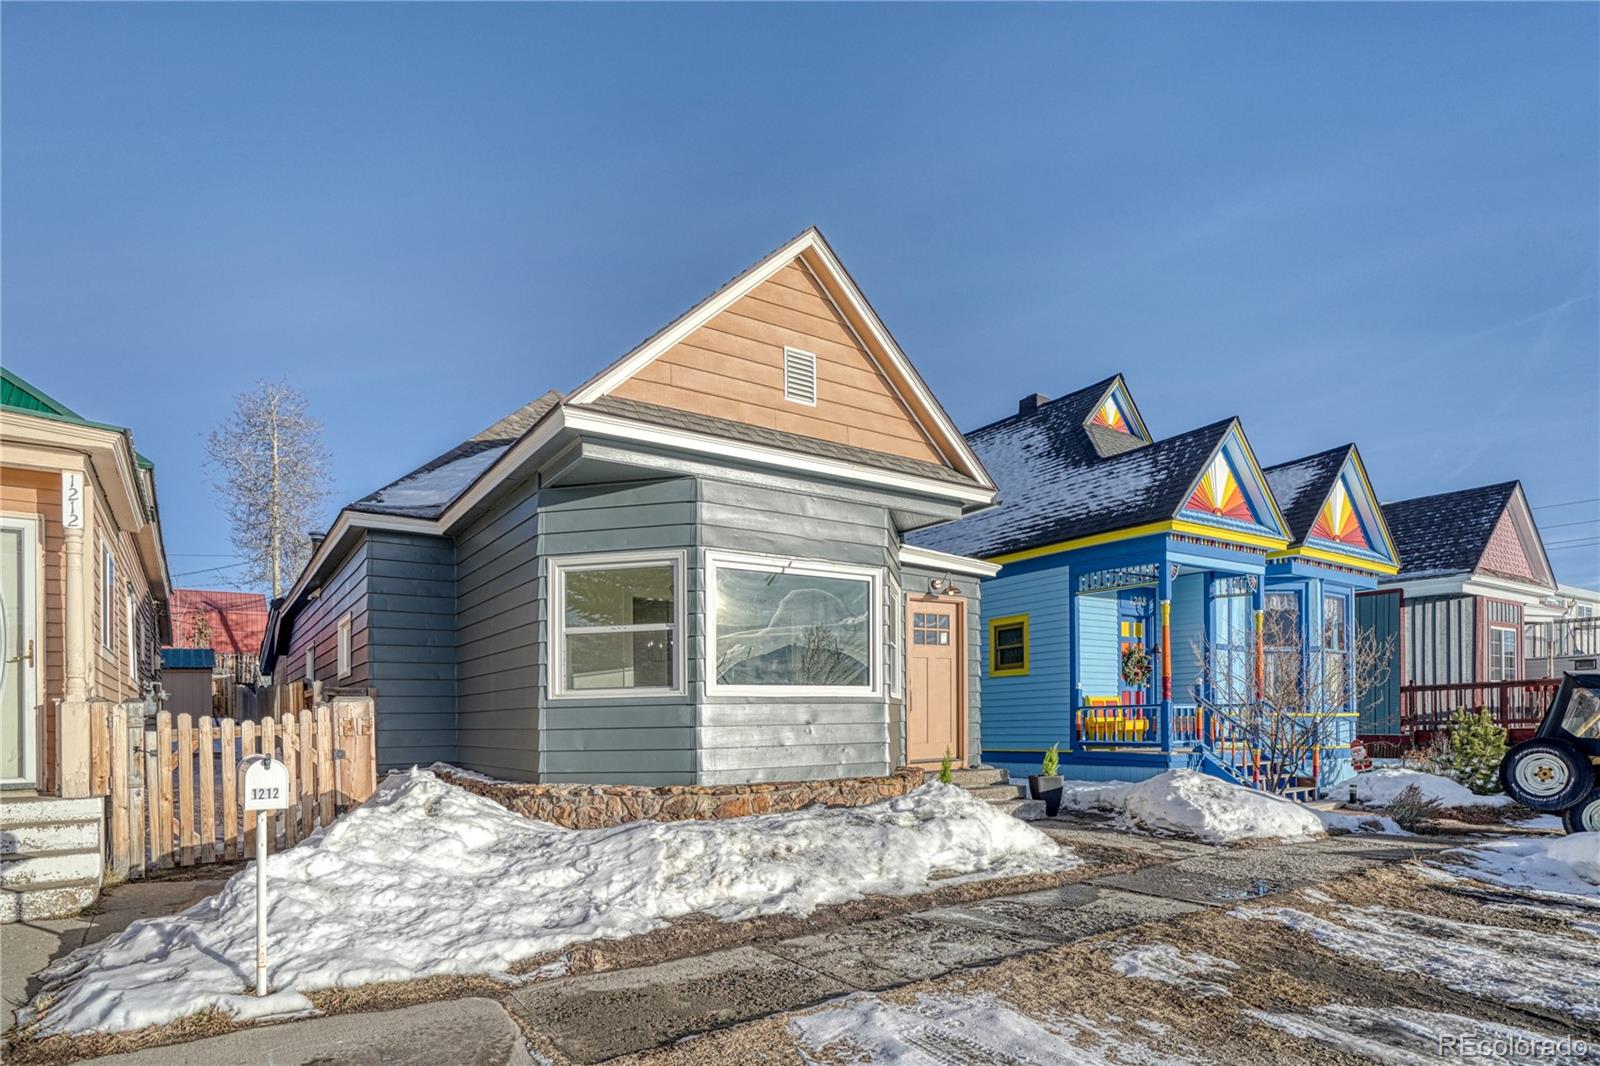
(427,879)
(1564,868)
(1378,788)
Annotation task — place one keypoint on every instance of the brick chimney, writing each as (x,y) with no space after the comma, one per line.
(1029,404)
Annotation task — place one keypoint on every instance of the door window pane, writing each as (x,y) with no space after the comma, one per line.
(795,628)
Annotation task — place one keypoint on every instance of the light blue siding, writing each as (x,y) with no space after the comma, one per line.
(1097,646)
(1188,634)
(1031,712)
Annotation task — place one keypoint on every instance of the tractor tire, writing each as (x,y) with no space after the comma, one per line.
(1546,774)
(1585,817)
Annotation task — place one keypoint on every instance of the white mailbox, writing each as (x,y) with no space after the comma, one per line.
(266,785)
(266,788)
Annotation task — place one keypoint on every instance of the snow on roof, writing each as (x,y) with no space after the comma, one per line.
(1054,486)
(1301,485)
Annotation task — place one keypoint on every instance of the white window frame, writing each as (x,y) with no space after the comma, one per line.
(809,357)
(311,663)
(557,569)
(133,653)
(897,638)
(1498,642)
(345,629)
(874,576)
(108,595)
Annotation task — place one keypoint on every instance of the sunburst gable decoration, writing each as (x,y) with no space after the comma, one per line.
(1219,493)
(1337,522)
(1109,416)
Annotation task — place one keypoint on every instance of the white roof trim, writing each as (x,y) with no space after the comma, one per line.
(809,241)
(911,555)
(613,425)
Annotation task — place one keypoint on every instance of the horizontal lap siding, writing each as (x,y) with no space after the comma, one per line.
(1029,712)
(497,636)
(411,646)
(916,582)
(1097,646)
(1188,634)
(317,626)
(648,741)
(761,738)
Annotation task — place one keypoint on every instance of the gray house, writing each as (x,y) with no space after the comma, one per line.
(690,569)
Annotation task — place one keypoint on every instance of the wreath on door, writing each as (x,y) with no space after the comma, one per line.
(1136,666)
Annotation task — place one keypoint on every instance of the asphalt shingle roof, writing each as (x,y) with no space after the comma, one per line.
(1301,485)
(1448,532)
(430,489)
(1054,486)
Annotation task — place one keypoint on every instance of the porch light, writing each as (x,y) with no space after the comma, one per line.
(943,586)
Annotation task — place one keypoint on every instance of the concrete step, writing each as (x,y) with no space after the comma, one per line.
(51,900)
(999,792)
(978,777)
(46,867)
(47,810)
(1026,809)
(50,836)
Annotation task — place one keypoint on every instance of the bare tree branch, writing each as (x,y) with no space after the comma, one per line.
(269,464)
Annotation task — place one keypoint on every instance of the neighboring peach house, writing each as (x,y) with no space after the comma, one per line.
(84,580)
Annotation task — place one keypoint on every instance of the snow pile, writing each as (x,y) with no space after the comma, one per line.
(428,879)
(1409,1036)
(978,1028)
(1521,967)
(1335,821)
(1378,788)
(1197,805)
(1564,866)
(1165,963)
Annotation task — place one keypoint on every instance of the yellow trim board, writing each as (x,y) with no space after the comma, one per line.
(1002,623)
(1320,555)
(1195,529)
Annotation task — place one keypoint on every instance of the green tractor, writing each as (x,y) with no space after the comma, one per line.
(1558,770)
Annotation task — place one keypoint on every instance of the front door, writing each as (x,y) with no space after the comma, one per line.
(19,675)
(934,656)
(1135,627)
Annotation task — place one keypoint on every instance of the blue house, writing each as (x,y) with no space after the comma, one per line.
(1311,640)
(1124,624)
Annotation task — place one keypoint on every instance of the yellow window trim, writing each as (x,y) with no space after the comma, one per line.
(997,624)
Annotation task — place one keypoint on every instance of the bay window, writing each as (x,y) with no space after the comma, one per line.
(792,626)
(616,625)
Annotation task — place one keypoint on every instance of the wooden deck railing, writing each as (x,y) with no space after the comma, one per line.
(1519,706)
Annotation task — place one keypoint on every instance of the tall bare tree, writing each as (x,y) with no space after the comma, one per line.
(270,466)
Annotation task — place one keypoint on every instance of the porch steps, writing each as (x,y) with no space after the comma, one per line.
(994,786)
(50,856)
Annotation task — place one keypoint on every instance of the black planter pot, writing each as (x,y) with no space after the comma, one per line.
(1047,788)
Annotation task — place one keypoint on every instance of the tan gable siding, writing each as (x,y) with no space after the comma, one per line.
(732,367)
(1504,555)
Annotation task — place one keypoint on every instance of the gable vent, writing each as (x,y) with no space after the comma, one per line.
(799,377)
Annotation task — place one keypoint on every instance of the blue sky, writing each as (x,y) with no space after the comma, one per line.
(1347,222)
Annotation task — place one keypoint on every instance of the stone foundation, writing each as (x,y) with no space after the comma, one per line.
(598,806)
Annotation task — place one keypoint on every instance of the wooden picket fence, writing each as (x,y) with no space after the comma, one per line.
(173,782)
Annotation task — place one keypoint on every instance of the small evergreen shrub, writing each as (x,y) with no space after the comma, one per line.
(946,773)
(1052,761)
(1477,744)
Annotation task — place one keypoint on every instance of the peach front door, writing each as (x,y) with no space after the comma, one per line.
(934,656)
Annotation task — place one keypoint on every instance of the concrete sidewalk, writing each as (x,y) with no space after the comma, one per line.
(28,947)
(462,1032)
